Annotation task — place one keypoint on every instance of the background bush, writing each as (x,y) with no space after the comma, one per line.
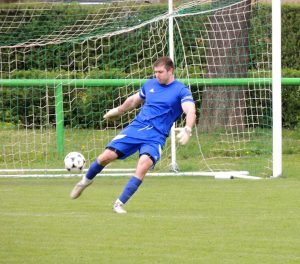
(15,104)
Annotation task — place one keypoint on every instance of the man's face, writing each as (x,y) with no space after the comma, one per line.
(162,75)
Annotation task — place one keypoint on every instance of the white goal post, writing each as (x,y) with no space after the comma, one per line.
(276,86)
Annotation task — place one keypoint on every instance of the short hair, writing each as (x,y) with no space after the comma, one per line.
(164,61)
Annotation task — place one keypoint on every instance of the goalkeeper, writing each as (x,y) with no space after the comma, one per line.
(164,100)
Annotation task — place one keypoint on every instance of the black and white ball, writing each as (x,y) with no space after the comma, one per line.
(74,161)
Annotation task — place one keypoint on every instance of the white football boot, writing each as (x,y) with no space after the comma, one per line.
(79,187)
(118,207)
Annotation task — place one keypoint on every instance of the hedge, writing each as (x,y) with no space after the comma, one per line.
(53,60)
(58,17)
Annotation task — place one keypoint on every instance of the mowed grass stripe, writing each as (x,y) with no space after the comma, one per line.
(169,220)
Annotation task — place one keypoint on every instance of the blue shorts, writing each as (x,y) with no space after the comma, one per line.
(137,137)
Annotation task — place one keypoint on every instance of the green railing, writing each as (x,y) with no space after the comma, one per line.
(59,83)
(138,82)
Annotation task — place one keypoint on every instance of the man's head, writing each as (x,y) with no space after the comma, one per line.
(164,70)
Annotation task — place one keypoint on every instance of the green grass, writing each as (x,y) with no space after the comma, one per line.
(291,166)
(169,220)
(36,149)
(249,151)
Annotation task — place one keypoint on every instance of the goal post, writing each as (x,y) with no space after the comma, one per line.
(59,77)
(276,85)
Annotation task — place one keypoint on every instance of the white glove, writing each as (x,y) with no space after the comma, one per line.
(113,113)
(184,134)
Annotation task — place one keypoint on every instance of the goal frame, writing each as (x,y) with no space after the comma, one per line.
(276,82)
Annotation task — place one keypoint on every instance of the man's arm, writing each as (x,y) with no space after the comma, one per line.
(190,110)
(130,103)
(185,132)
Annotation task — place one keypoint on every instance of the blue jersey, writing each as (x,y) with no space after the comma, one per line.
(162,105)
(148,131)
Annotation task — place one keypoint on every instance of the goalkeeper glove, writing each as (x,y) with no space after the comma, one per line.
(184,134)
(113,113)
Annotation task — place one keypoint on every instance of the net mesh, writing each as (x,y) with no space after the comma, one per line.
(53,40)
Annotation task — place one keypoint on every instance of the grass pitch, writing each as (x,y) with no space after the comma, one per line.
(169,220)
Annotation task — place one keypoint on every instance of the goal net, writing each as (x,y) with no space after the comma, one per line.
(63,64)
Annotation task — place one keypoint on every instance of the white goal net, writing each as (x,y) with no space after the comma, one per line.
(64,64)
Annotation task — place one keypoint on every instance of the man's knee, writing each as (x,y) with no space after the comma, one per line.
(106,157)
(145,163)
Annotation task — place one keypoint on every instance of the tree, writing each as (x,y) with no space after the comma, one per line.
(227,57)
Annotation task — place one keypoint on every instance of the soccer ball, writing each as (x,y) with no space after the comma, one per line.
(74,161)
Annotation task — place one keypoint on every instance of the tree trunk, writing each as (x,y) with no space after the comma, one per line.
(227,57)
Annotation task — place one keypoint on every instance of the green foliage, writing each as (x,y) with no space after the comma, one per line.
(65,60)
(291,36)
(291,141)
(47,21)
(291,101)
(260,33)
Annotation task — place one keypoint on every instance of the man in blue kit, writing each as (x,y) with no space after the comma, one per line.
(165,99)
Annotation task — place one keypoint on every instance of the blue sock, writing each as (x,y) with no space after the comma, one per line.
(131,187)
(93,170)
